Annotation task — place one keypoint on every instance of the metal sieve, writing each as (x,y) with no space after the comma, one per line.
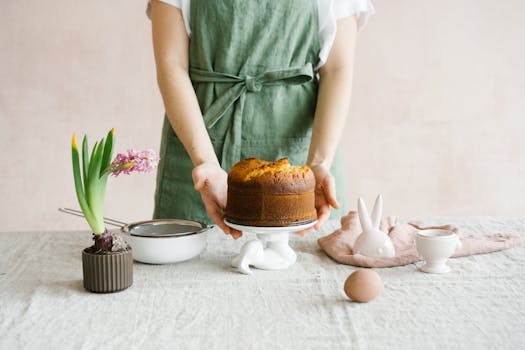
(152,228)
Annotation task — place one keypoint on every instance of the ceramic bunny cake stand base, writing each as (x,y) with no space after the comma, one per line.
(270,251)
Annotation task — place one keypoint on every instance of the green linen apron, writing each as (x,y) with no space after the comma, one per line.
(251,64)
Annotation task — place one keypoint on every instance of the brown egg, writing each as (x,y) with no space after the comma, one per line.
(363,285)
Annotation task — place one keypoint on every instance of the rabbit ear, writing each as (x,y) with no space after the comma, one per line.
(377,211)
(363,215)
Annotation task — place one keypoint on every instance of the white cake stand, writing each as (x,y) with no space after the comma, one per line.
(270,251)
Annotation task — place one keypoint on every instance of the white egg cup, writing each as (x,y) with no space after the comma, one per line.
(270,251)
(435,246)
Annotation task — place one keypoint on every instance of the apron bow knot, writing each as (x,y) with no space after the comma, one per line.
(237,92)
(252,83)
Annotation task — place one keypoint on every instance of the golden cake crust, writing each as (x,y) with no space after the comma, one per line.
(278,177)
(262,193)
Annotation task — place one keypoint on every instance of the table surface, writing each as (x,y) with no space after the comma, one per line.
(204,304)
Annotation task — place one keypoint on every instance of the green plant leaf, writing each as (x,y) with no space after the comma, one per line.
(108,151)
(92,162)
(78,184)
(85,160)
(96,188)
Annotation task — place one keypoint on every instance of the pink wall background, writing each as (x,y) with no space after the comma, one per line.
(436,123)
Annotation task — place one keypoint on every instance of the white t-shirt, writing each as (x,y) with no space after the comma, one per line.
(329,12)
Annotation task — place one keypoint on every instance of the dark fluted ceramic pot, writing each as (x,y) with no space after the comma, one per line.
(107,272)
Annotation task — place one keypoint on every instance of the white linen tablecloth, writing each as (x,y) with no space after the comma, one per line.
(203,304)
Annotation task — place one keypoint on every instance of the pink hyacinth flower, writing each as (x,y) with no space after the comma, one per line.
(142,162)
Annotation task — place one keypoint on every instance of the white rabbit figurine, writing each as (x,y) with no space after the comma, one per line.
(372,241)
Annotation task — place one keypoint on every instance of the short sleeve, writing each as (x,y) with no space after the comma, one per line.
(362,9)
(184,5)
(330,11)
(176,3)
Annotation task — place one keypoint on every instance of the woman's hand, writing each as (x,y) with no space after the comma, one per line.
(212,183)
(324,196)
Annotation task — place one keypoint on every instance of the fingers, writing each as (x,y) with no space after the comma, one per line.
(208,180)
(217,215)
(218,220)
(303,232)
(225,228)
(199,180)
(236,233)
(204,173)
(325,184)
(323,212)
(329,191)
(199,184)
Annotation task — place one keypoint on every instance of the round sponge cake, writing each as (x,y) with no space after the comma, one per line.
(262,193)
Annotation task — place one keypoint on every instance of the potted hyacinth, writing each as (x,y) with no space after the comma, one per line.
(108,264)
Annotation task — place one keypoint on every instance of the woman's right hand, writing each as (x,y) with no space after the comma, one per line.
(212,183)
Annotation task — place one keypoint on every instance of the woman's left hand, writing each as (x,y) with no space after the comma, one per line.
(324,196)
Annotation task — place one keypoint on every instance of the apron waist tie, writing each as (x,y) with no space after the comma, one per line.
(242,85)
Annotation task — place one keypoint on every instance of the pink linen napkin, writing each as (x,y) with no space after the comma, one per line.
(338,244)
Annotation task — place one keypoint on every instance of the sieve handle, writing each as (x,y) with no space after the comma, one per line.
(108,221)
